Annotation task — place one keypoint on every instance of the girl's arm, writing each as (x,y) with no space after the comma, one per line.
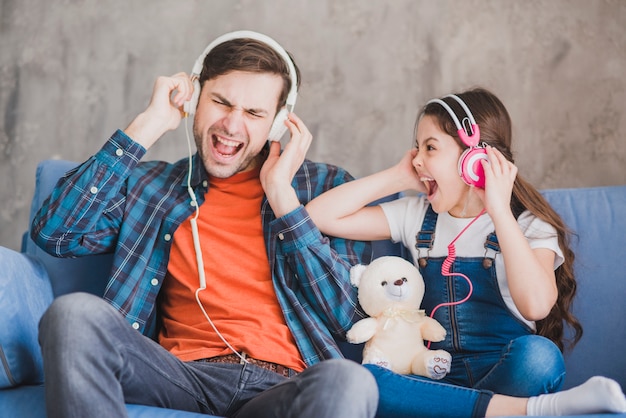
(343,211)
(530,273)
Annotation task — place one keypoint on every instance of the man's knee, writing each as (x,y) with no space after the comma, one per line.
(67,307)
(75,314)
(351,383)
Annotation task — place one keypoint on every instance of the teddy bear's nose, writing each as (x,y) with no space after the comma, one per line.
(400,282)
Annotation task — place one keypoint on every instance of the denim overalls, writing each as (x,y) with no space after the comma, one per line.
(490,347)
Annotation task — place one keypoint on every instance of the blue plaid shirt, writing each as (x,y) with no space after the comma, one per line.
(114,203)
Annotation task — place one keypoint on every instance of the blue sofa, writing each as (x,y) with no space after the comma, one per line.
(597,215)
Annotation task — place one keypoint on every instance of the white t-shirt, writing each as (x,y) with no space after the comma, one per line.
(405,217)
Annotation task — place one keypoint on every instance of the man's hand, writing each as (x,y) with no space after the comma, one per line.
(164,112)
(279,169)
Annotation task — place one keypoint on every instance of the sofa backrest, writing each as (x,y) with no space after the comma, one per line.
(597,216)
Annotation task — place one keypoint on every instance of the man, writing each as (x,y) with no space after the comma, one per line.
(215,258)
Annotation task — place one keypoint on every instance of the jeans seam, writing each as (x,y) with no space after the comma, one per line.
(494,367)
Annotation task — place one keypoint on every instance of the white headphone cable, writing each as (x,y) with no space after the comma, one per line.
(198,250)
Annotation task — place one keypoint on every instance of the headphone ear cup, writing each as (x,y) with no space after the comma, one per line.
(190,106)
(470,167)
(278,128)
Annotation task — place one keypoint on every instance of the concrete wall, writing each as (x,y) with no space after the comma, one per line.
(72,71)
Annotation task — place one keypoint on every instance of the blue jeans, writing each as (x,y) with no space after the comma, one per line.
(95,362)
(408,396)
(528,366)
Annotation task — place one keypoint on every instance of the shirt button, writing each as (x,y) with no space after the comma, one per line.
(135,325)
(167,237)
(93,190)
(154,282)
(205,183)
(193,203)
(119,152)
(281,236)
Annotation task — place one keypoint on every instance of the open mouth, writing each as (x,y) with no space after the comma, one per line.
(430,184)
(226,147)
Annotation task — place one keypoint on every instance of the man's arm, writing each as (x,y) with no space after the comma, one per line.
(320,265)
(164,112)
(315,265)
(83,213)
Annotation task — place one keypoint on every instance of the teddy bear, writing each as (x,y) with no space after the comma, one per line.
(390,290)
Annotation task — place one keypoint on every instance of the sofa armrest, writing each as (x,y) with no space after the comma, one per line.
(25,293)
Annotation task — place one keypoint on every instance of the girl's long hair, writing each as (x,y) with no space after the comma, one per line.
(496,130)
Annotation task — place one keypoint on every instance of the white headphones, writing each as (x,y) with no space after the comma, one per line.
(278,128)
(276,132)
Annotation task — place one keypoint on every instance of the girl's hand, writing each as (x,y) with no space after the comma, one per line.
(500,175)
(407,176)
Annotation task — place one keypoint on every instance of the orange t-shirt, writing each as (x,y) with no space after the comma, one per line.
(240,297)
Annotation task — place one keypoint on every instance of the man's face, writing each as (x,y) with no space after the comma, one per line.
(233,119)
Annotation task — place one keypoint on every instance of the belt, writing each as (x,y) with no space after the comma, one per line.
(267,365)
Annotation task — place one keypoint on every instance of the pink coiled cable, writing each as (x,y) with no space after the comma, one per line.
(447,264)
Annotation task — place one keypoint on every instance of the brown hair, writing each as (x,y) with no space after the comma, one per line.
(249,55)
(496,130)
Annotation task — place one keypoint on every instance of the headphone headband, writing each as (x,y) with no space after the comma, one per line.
(472,138)
(293,92)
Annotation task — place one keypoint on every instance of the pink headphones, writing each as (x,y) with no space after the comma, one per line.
(470,167)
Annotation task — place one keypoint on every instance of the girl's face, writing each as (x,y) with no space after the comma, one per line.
(436,165)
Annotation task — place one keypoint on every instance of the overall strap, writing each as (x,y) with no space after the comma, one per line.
(492,248)
(426,236)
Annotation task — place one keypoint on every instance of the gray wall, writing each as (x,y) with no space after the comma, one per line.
(72,71)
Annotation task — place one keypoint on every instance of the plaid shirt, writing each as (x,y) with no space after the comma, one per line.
(114,203)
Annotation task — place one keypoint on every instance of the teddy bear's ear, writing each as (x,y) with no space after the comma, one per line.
(355,274)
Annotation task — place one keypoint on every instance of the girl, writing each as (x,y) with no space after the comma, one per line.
(505,297)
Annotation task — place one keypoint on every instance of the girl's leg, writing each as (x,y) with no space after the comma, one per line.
(411,396)
(529,366)
(597,395)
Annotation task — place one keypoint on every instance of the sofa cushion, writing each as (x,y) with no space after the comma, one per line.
(25,293)
(28,401)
